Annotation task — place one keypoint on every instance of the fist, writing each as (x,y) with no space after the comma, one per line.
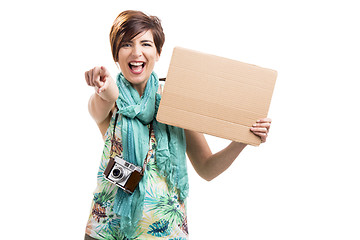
(99,78)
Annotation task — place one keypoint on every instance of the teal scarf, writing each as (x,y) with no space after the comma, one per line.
(136,113)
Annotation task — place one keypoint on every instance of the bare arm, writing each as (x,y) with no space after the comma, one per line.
(209,165)
(103,100)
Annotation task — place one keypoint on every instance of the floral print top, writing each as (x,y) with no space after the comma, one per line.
(164,217)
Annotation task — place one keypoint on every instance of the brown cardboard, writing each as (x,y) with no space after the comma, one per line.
(215,95)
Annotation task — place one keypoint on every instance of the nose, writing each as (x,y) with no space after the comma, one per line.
(136,51)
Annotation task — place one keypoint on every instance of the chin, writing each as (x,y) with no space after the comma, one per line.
(137,79)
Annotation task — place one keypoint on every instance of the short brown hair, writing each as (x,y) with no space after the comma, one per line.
(131,23)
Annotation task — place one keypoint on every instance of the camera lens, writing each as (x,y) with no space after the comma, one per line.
(117,173)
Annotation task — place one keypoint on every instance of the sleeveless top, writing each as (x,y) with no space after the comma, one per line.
(163,216)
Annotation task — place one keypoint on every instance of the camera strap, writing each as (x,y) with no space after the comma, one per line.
(147,155)
(113,141)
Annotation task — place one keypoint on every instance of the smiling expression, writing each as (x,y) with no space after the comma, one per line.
(137,59)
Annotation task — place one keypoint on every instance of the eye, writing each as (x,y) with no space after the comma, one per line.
(147,44)
(125,45)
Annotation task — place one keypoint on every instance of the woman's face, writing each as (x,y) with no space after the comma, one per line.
(137,59)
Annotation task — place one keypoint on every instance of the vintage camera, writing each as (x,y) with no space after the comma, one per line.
(123,174)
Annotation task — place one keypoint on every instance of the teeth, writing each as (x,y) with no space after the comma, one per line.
(136,63)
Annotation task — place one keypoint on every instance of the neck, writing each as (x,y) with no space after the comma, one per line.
(140,88)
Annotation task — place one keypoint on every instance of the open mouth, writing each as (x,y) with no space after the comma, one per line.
(137,67)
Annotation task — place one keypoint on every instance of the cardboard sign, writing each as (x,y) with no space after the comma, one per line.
(215,95)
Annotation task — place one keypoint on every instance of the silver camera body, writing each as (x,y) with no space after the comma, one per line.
(123,174)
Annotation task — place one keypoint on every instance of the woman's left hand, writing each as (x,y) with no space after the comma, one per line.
(261,128)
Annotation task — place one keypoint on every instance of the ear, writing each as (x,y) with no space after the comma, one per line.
(157,57)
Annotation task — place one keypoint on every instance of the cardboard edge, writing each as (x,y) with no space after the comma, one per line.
(188,124)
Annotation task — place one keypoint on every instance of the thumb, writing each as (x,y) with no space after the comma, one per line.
(104,86)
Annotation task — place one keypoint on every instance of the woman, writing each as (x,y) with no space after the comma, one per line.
(125,112)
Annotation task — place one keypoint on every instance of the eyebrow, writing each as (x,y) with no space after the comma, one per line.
(142,41)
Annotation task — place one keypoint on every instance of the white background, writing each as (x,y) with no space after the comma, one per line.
(302,184)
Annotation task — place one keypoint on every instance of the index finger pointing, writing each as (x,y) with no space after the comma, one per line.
(104,72)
